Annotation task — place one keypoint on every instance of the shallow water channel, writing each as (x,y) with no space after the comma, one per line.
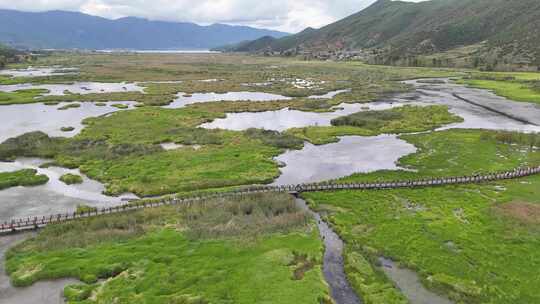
(409,283)
(184,99)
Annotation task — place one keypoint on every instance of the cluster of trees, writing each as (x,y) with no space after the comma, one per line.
(9,55)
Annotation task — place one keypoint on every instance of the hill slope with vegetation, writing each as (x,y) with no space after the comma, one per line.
(503,32)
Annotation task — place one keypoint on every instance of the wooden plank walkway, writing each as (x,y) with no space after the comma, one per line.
(37,222)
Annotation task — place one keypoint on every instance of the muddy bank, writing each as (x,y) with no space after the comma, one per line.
(333,264)
(481,109)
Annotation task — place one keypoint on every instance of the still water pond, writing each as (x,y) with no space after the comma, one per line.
(352,154)
(182,100)
(53,197)
(75,88)
(329,95)
(19,119)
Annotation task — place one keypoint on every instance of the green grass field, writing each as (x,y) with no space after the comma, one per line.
(121,150)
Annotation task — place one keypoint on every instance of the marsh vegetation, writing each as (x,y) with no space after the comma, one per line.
(464,241)
(241,250)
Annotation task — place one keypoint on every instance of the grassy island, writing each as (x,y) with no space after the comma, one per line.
(70,179)
(26,178)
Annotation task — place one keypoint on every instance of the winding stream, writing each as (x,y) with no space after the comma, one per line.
(333,264)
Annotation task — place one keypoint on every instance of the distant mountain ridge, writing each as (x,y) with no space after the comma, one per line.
(68,30)
(508,30)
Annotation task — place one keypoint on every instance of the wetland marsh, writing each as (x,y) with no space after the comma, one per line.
(215,122)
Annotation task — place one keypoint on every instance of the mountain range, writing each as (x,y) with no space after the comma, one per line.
(507,30)
(70,30)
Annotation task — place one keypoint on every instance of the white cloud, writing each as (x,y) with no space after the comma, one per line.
(285,15)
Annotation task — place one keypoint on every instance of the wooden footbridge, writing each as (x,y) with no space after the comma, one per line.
(32,223)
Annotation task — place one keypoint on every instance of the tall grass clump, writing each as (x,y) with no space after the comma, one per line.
(275,139)
(368,119)
(535,85)
(246,216)
(530,140)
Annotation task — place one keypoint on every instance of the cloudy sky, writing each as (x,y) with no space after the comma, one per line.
(284,15)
